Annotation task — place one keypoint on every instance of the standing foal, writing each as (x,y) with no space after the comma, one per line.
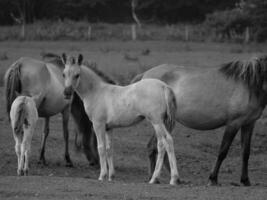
(23,116)
(110,106)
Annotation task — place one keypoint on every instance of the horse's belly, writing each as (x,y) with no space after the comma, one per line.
(52,105)
(201,118)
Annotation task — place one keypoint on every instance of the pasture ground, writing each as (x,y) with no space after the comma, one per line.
(196,151)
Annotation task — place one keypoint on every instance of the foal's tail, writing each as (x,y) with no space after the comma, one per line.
(20,117)
(169,116)
(12,84)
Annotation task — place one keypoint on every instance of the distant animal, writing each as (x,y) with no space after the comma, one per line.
(110,106)
(231,95)
(28,75)
(23,117)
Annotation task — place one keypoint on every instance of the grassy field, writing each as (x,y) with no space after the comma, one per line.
(195,150)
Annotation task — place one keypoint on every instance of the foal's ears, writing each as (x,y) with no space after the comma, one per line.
(80,59)
(64,58)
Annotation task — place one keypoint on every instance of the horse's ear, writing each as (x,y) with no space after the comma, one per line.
(80,59)
(64,58)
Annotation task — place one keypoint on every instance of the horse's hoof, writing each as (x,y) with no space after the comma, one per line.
(69,164)
(213,183)
(42,162)
(26,172)
(246,182)
(20,172)
(111,177)
(94,164)
(182,182)
(155,181)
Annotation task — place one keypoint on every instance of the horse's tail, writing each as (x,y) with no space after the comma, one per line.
(20,118)
(138,77)
(12,84)
(170,114)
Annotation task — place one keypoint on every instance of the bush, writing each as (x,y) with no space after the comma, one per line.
(228,24)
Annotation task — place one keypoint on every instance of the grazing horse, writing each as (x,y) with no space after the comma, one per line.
(110,106)
(32,76)
(23,117)
(231,95)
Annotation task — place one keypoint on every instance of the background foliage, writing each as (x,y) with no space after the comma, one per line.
(220,20)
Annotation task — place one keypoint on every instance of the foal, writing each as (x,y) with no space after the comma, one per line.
(110,106)
(23,116)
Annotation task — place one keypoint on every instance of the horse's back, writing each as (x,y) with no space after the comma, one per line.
(46,78)
(205,97)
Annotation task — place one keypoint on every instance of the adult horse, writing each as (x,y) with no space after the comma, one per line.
(31,76)
(231,95)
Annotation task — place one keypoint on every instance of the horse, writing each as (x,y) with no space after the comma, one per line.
(23,116)
(28,75)
(110,106)
(233,95)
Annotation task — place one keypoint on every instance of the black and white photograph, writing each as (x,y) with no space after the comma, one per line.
(133,99)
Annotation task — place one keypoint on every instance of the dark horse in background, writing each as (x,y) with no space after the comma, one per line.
(34,77)
(233,95)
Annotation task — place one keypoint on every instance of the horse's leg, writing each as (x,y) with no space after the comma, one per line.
(89,142)
(27,143)
(229,134)
(172,159)
(22,158)
(160,154)
(246,133)
(101,146)
(109,149)
(65,119)
(17,149)
(93,148)
(152,154)
(44,137)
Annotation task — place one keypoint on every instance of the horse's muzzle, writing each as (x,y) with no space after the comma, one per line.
(67,92)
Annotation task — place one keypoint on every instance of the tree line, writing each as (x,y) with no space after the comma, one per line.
(111,11)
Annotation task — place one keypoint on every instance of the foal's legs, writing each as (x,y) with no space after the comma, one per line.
(109,149)
(27,145)
(65,119)
(229,134)
(44,137)
(161,152)
(246,133)
(165,142)
(22,158)
(17,149)
(101,145)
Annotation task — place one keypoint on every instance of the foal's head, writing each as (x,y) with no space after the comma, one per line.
(71,73)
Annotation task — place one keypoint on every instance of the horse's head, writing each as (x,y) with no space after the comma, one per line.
(71,73)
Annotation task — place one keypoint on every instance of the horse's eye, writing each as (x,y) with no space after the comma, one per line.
(76,76)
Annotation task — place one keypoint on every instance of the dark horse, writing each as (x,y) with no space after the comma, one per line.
(232,95)
(44,78)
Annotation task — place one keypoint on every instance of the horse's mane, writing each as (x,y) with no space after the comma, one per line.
(56,60)
(94,68)
(252,72)
(53,59)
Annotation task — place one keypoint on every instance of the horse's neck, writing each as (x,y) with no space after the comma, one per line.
(89,84)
